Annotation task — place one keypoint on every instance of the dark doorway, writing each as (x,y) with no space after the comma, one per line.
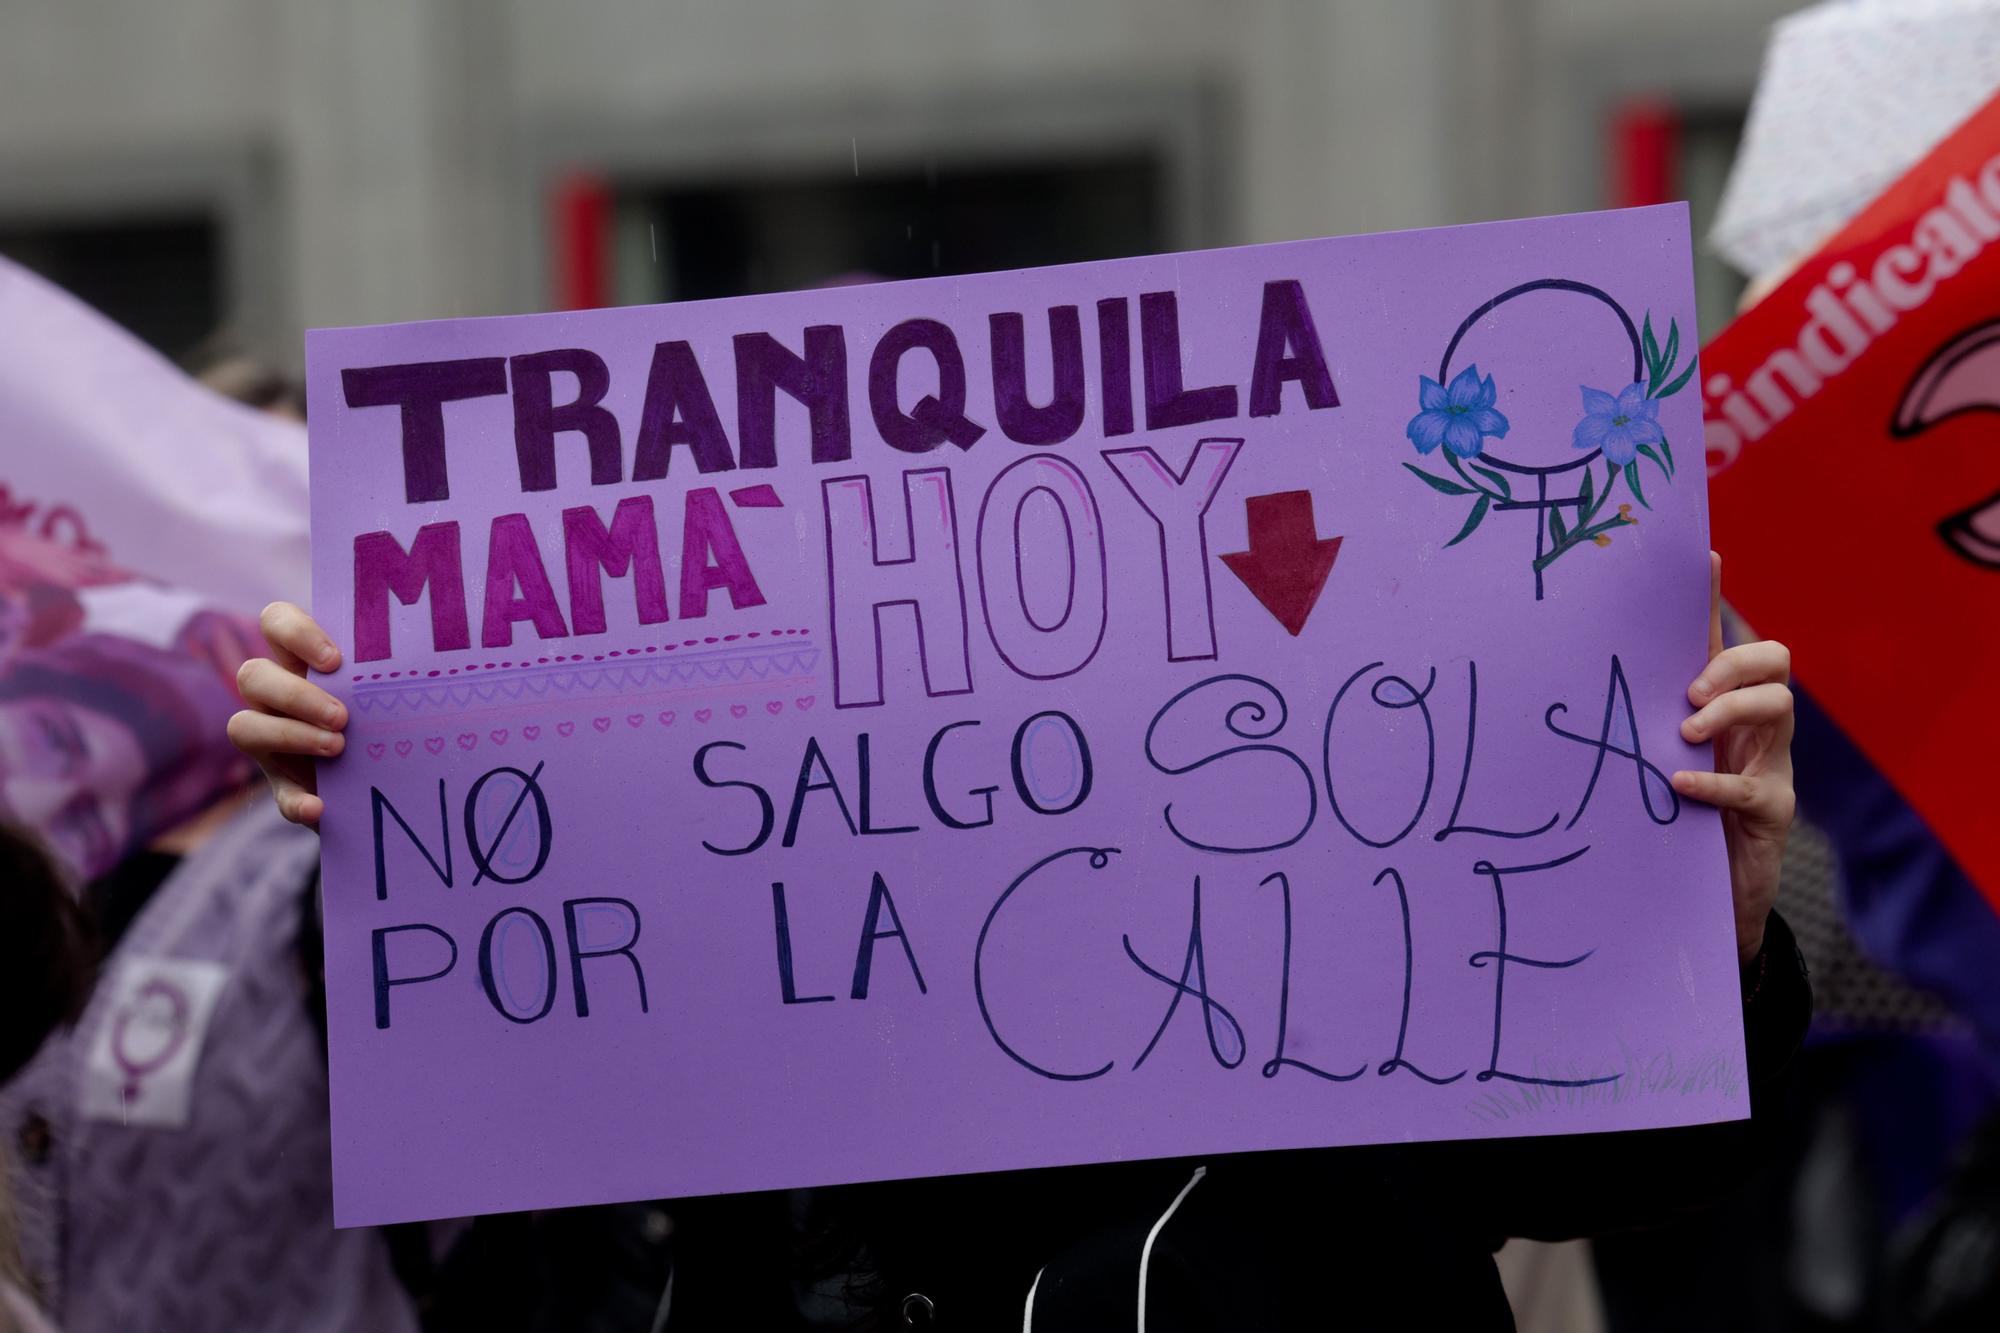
(159,277)
(728,239)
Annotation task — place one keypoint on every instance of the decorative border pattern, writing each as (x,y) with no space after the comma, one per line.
(583,729)
(646,669)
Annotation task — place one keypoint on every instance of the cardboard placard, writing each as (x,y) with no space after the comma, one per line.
(1200,703)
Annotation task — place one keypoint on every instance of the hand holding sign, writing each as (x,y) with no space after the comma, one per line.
(288,722)
(980,787)
(1744,699)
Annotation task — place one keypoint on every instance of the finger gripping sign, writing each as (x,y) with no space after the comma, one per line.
(1195,704)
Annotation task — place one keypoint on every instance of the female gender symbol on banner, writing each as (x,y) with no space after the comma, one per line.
(1620,427)
(169,1029)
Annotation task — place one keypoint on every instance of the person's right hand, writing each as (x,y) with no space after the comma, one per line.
(289,721)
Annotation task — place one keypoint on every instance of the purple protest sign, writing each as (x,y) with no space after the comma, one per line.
(1192,704)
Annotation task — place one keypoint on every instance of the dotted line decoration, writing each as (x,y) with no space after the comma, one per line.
(636,651)
(599,725)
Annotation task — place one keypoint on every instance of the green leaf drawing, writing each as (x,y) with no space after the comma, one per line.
(1653,367)
(1498,479)
(1459,468)
(1672,354)
(1680,381)
(1556,528)
(1471,522)
(1668,450)
(1632,480)
(1646,451)
(1584,506)
(1439,484)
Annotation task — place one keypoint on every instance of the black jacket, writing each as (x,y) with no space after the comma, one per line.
(1361,1238)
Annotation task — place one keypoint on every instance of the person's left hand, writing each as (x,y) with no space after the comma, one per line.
(1743,703)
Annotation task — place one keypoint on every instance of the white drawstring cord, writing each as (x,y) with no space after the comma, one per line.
(665,1311)
(1028,1315)
(1146,1253)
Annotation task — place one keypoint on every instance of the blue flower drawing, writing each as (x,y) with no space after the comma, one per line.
(1460,417)
(1618,425)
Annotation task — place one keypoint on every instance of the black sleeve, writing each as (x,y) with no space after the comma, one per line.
(1564,1186)
(311,956)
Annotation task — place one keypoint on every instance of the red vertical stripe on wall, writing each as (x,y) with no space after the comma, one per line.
(1645,149)
(581,237)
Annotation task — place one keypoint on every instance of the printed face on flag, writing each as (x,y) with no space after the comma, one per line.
(113,697)
(143,518)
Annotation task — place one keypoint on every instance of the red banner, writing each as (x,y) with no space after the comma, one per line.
(1854,458)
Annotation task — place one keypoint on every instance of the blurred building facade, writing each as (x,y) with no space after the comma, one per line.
(271,165)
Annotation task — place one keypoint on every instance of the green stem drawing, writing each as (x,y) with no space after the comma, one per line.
(1488,489)
(1467,478)
(1587,529)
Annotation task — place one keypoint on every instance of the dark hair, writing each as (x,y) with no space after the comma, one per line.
(225,367)
(45,950)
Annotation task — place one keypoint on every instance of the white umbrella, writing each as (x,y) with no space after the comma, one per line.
(1853,94)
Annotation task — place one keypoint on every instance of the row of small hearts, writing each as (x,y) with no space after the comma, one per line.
(533,731)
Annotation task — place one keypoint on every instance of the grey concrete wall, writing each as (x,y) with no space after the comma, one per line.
(385,159)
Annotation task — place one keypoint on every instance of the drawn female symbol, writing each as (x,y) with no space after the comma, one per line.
(1620,425)
(168,1028)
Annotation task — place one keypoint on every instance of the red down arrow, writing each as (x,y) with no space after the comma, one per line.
(1288,561)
